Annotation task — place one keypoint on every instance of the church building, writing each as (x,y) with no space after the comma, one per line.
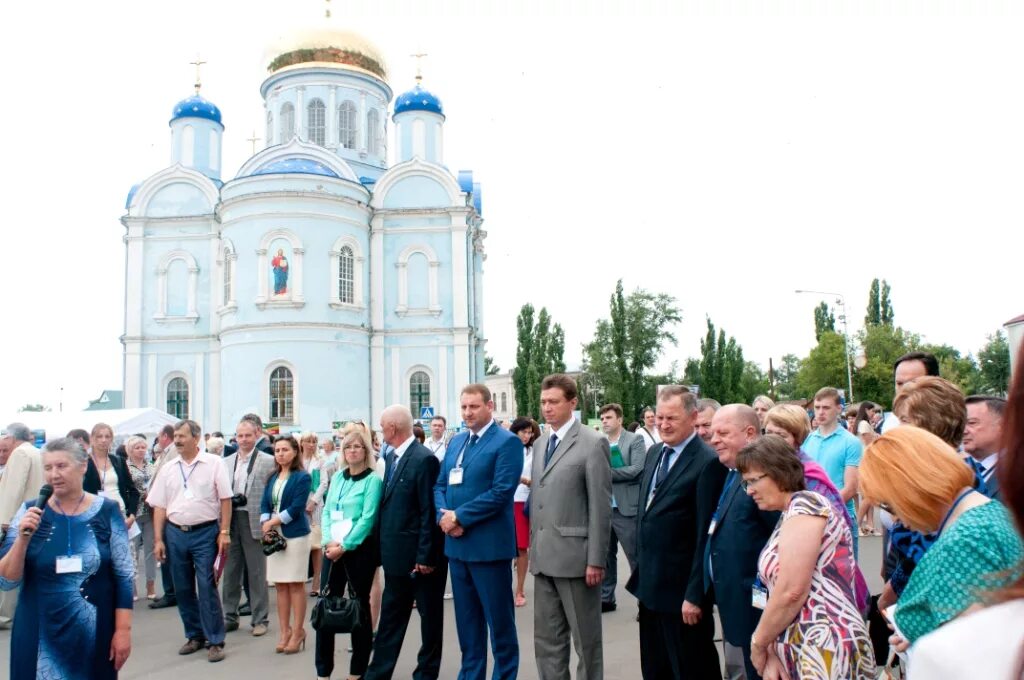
(321,283)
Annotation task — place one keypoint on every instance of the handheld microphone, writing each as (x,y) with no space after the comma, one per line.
(45,491)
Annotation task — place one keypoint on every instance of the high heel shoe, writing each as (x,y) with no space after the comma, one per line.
(283,642)
(298,641)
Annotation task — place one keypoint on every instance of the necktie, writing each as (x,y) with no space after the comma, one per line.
(392,464)
(552,445)
(663,468)
(980,483)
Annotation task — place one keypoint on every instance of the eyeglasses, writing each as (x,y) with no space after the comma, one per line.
(747,483)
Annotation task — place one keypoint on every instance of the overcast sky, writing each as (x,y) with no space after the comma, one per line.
(726,160)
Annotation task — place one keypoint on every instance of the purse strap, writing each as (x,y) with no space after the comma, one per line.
(326,590)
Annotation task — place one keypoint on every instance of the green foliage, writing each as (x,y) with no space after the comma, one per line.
(879,305)
(33,408)
(961,371)
(824,321)
(882,345)
(753,382)
(994,365)
(540,352)
(691,374)
(490,368)
(825,366)
(524,355)
(722,367)
(785,377)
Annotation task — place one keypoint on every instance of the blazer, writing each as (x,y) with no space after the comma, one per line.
(668,531)
(21,480)
(262,444)
(294,495)
(736,546)
(483,502)
(570,504)
(626,479)
(125,488)
(407,530)
(255,484)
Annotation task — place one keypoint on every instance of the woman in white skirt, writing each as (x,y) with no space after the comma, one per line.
(284,508)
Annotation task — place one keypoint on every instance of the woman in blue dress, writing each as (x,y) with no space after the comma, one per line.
(75,570)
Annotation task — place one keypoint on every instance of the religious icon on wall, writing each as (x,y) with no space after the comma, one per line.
(279,264)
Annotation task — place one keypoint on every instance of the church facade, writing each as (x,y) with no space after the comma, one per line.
(321,283)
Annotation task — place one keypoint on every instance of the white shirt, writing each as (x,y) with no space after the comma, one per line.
(564,429)
(403,448)
(989,465)
(523,491)
(650,437)
(241,470)
(437,448)
(479,436)
(673,457)
(985,644)
(890,421)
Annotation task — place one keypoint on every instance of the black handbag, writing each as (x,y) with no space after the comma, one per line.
(336,613)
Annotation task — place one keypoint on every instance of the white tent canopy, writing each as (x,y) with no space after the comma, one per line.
(125,421)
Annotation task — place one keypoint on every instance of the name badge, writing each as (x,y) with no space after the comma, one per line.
(70,564)
(455,476)
(340,530)
(759,596)
(189,496)
(712,527)
(337,515)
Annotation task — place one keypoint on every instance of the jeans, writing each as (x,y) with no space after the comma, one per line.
(191,555)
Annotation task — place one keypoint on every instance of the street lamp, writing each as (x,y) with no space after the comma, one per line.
(841,301)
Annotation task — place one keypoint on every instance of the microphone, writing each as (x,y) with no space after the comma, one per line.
(45,491)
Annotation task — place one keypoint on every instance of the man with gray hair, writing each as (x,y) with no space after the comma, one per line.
(20,482)
(706,409)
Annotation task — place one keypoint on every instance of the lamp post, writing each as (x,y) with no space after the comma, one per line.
(841,301)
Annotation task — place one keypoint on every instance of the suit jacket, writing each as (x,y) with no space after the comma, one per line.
(483,502)
(125,488)
(735,548)
(255,484)
(21,480)
(262,444)
(626,479)
(570,504)
(668,532)
(293,503)
(407,530)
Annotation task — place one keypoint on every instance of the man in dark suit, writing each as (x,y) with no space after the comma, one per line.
(734,539)
(411,551)
(473,496)
(676,625)
(263,443)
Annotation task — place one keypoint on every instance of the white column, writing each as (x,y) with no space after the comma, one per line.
(377,383)
(377,273)
(216,277)
(363,144)
(442,407)
(331,117)
(397,397)
(198,397)
(132,374)
(295,282)
(460,274)
(261,275)
(136,284)
(153,387)
(461,358)
(402,272)
(193,291)
(216,415)
(300,113)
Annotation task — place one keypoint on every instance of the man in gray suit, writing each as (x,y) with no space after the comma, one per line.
(250,469)
(570,523)
(628,455)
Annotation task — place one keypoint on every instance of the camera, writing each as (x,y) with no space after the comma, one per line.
(273,542)
(239,500)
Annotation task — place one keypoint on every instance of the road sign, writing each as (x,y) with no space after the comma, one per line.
(426,412)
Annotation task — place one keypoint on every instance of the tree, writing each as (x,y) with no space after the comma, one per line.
(628,344)
(524,355)
(885,305)
(881,346)
(994,364)
(824,321)
(785,377)
(33,408)
(753,382)
(721,367)
(691,374)
(540,352)
(961,371)
(825,366)
(879,305)
(490,368)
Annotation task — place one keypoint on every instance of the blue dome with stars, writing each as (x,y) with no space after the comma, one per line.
(196,107)
(295,166)
(419,99)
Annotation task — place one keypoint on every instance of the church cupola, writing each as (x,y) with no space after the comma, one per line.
(419,122)
(196,131)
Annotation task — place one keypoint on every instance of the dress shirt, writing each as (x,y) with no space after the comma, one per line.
(437,448)
(209,481)
(479,436)
(241,470)
(403,447)
(673,453)
(988,465)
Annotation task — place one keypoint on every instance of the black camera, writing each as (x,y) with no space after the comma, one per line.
(239,500)
(273,542)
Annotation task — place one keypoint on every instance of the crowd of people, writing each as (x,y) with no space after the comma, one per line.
(750,510)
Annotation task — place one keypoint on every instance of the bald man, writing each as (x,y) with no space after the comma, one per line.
(733,540)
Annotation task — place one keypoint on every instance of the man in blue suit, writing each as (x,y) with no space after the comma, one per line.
(473,496)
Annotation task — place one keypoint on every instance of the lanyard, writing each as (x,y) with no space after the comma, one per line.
(342,494)
(184,479)
(278,491)
(68,518)
(248,473)
(462,451)
(951,509)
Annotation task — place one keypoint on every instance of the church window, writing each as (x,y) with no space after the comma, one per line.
(287,122)
(316,114)
(188,146)
(373,132)
(347,124)
(419,392)
(177,398)
(270,128)
(346,276)
(282,395)
(504,402)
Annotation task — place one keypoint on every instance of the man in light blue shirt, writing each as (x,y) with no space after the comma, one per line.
(834,448)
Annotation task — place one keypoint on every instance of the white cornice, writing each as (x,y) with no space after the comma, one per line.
(289,194)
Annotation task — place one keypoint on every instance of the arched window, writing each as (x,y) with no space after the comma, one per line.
(177,398)
(316,122)
(348,125)
(287,122)
(346,276)
(504,402)
(282,395)
(270,128)
(419,392)
(372,132)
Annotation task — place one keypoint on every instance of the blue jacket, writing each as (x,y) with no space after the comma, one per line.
(294,496)
(483,503)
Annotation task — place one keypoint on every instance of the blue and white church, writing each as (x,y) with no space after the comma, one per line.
(322,282)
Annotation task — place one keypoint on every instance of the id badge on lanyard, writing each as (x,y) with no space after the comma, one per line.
(455,476)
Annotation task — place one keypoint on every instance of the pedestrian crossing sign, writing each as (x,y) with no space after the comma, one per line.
(426,412)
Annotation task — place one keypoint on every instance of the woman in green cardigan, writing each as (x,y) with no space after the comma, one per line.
(349,547)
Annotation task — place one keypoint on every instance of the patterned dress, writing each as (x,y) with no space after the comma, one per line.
(828,640)
(64,622)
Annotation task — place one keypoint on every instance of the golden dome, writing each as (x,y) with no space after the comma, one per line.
(326,46)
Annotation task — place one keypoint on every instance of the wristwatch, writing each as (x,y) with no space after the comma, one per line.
(226,532)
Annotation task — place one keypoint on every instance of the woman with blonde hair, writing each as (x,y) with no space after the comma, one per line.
(142,470)
(919,479)
(761,405)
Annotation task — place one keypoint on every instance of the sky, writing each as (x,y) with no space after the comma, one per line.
(726,153)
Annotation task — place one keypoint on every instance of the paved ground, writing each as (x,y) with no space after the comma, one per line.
(158,634)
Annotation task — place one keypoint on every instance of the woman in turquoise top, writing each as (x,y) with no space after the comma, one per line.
(922,481)
(350,549)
